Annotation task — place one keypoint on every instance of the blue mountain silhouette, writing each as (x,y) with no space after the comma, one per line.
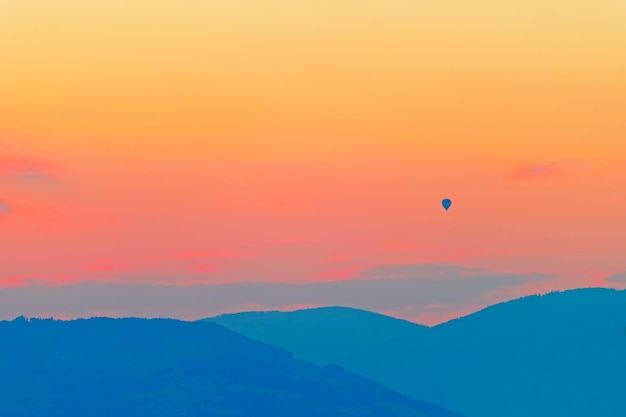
(136,367)
(560,354)
(322,334)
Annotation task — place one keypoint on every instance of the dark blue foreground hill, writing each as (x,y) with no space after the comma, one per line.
(136,367)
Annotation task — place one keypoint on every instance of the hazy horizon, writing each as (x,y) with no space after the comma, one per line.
(87,300)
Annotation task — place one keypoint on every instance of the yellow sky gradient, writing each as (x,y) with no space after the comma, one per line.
(496,75)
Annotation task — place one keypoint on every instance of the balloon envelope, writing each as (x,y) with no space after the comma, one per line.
(446,203)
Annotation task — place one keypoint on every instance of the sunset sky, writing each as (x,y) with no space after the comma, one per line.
(193,142)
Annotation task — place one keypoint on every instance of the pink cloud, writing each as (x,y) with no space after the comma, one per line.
(19,167)
(62,280)
(610,279)
(170,268)
(12,282)
(39,280)
(44,213)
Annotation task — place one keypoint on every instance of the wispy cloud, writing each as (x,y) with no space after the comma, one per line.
(448,287)
(532,172)
(11,282)
(619,278)
(28,168)
(5,209)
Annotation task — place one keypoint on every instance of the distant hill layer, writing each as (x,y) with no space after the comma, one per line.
(560,354)
(136,367)
(321,334)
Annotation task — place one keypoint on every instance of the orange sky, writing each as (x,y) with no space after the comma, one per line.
(308,137)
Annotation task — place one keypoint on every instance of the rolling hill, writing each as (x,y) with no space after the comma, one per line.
(160,367)
(562,354)
(322,335)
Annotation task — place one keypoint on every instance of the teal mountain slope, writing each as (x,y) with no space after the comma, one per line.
(322,335)
(136,367)
(560,354)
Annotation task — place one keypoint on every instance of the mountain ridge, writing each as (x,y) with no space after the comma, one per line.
(164,367)
(566,349)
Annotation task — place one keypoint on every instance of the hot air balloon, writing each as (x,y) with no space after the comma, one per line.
(446,203)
